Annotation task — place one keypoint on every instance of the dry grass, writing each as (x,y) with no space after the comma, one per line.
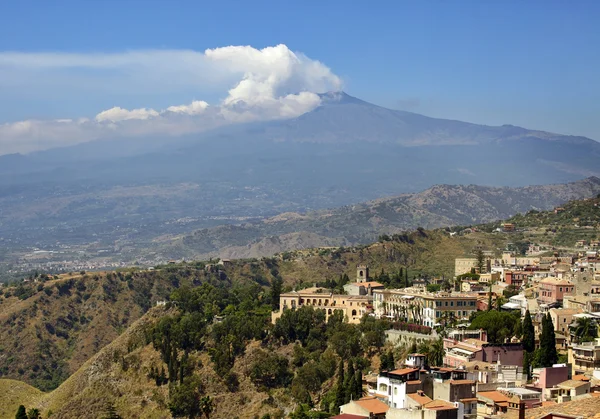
(14,393)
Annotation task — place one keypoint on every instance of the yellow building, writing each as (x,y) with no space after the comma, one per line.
(354,307)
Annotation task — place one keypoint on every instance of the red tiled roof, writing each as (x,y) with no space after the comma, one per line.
(495,396)
(373,405)
(420,399)
(439,405)
(404,371)
(348,416)
(459,382)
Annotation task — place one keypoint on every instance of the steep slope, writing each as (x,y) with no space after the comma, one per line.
(439,206)
(49,329)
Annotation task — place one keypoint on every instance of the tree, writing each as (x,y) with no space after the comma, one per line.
(206,406)
(585,329)
(546,355)
(435,355)
(528,333)
(185,398)
(387,361)
(480,260)
(527,364)
(270,370)
(340,394)
(21,413)
(349,383)
(33,413)
(489,306)
(276,286)
(358,389)
(499,325)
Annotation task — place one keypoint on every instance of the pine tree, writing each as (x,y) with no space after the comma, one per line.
(528,333)
(21,413)
(340,395)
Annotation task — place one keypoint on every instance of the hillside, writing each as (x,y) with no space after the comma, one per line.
(439,206)
(49,329)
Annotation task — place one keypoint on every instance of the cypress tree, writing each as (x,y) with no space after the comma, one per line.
(340,396)
(21,413)
(349,382)
(552,352)
(528,333)
(527,364)
(358,390)
(406,277)
(489,307)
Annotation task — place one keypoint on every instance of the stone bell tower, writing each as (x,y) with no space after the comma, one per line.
(362,273)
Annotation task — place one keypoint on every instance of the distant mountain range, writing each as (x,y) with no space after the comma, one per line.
(439,206)
(345,151)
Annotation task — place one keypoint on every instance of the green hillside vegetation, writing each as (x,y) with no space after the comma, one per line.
(584,213)
(213,350)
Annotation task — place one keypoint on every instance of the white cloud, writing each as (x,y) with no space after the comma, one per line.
(119,114)
(197,107)
(269,83)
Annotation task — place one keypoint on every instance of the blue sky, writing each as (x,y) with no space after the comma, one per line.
(533,63)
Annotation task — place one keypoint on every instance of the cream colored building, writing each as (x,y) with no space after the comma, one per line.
(422,307)
(354,307)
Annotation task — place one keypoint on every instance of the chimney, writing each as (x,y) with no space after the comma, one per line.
(521,409)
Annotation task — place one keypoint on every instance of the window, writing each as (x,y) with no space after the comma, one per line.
(446,303)
(451,303)
(561,289)
(395,391)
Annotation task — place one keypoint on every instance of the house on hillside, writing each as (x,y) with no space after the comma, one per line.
(370,407)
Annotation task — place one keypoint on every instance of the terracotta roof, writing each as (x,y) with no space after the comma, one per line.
(495,396)
(581,377)
(373,405)
(420,399)
(348,416)
(404,371)
(586,408)
(549,403)
(571,383)
(413,382)
(439,405)
(459,382)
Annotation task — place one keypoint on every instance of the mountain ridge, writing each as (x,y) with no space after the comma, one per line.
(438,206)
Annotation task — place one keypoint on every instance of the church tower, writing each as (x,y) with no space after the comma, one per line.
(362,273)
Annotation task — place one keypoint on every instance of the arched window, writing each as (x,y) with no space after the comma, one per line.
(353,313)
(383,387)
(329,312)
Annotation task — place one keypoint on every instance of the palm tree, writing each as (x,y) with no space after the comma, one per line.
(585,329)
(435,356)
(33,413)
